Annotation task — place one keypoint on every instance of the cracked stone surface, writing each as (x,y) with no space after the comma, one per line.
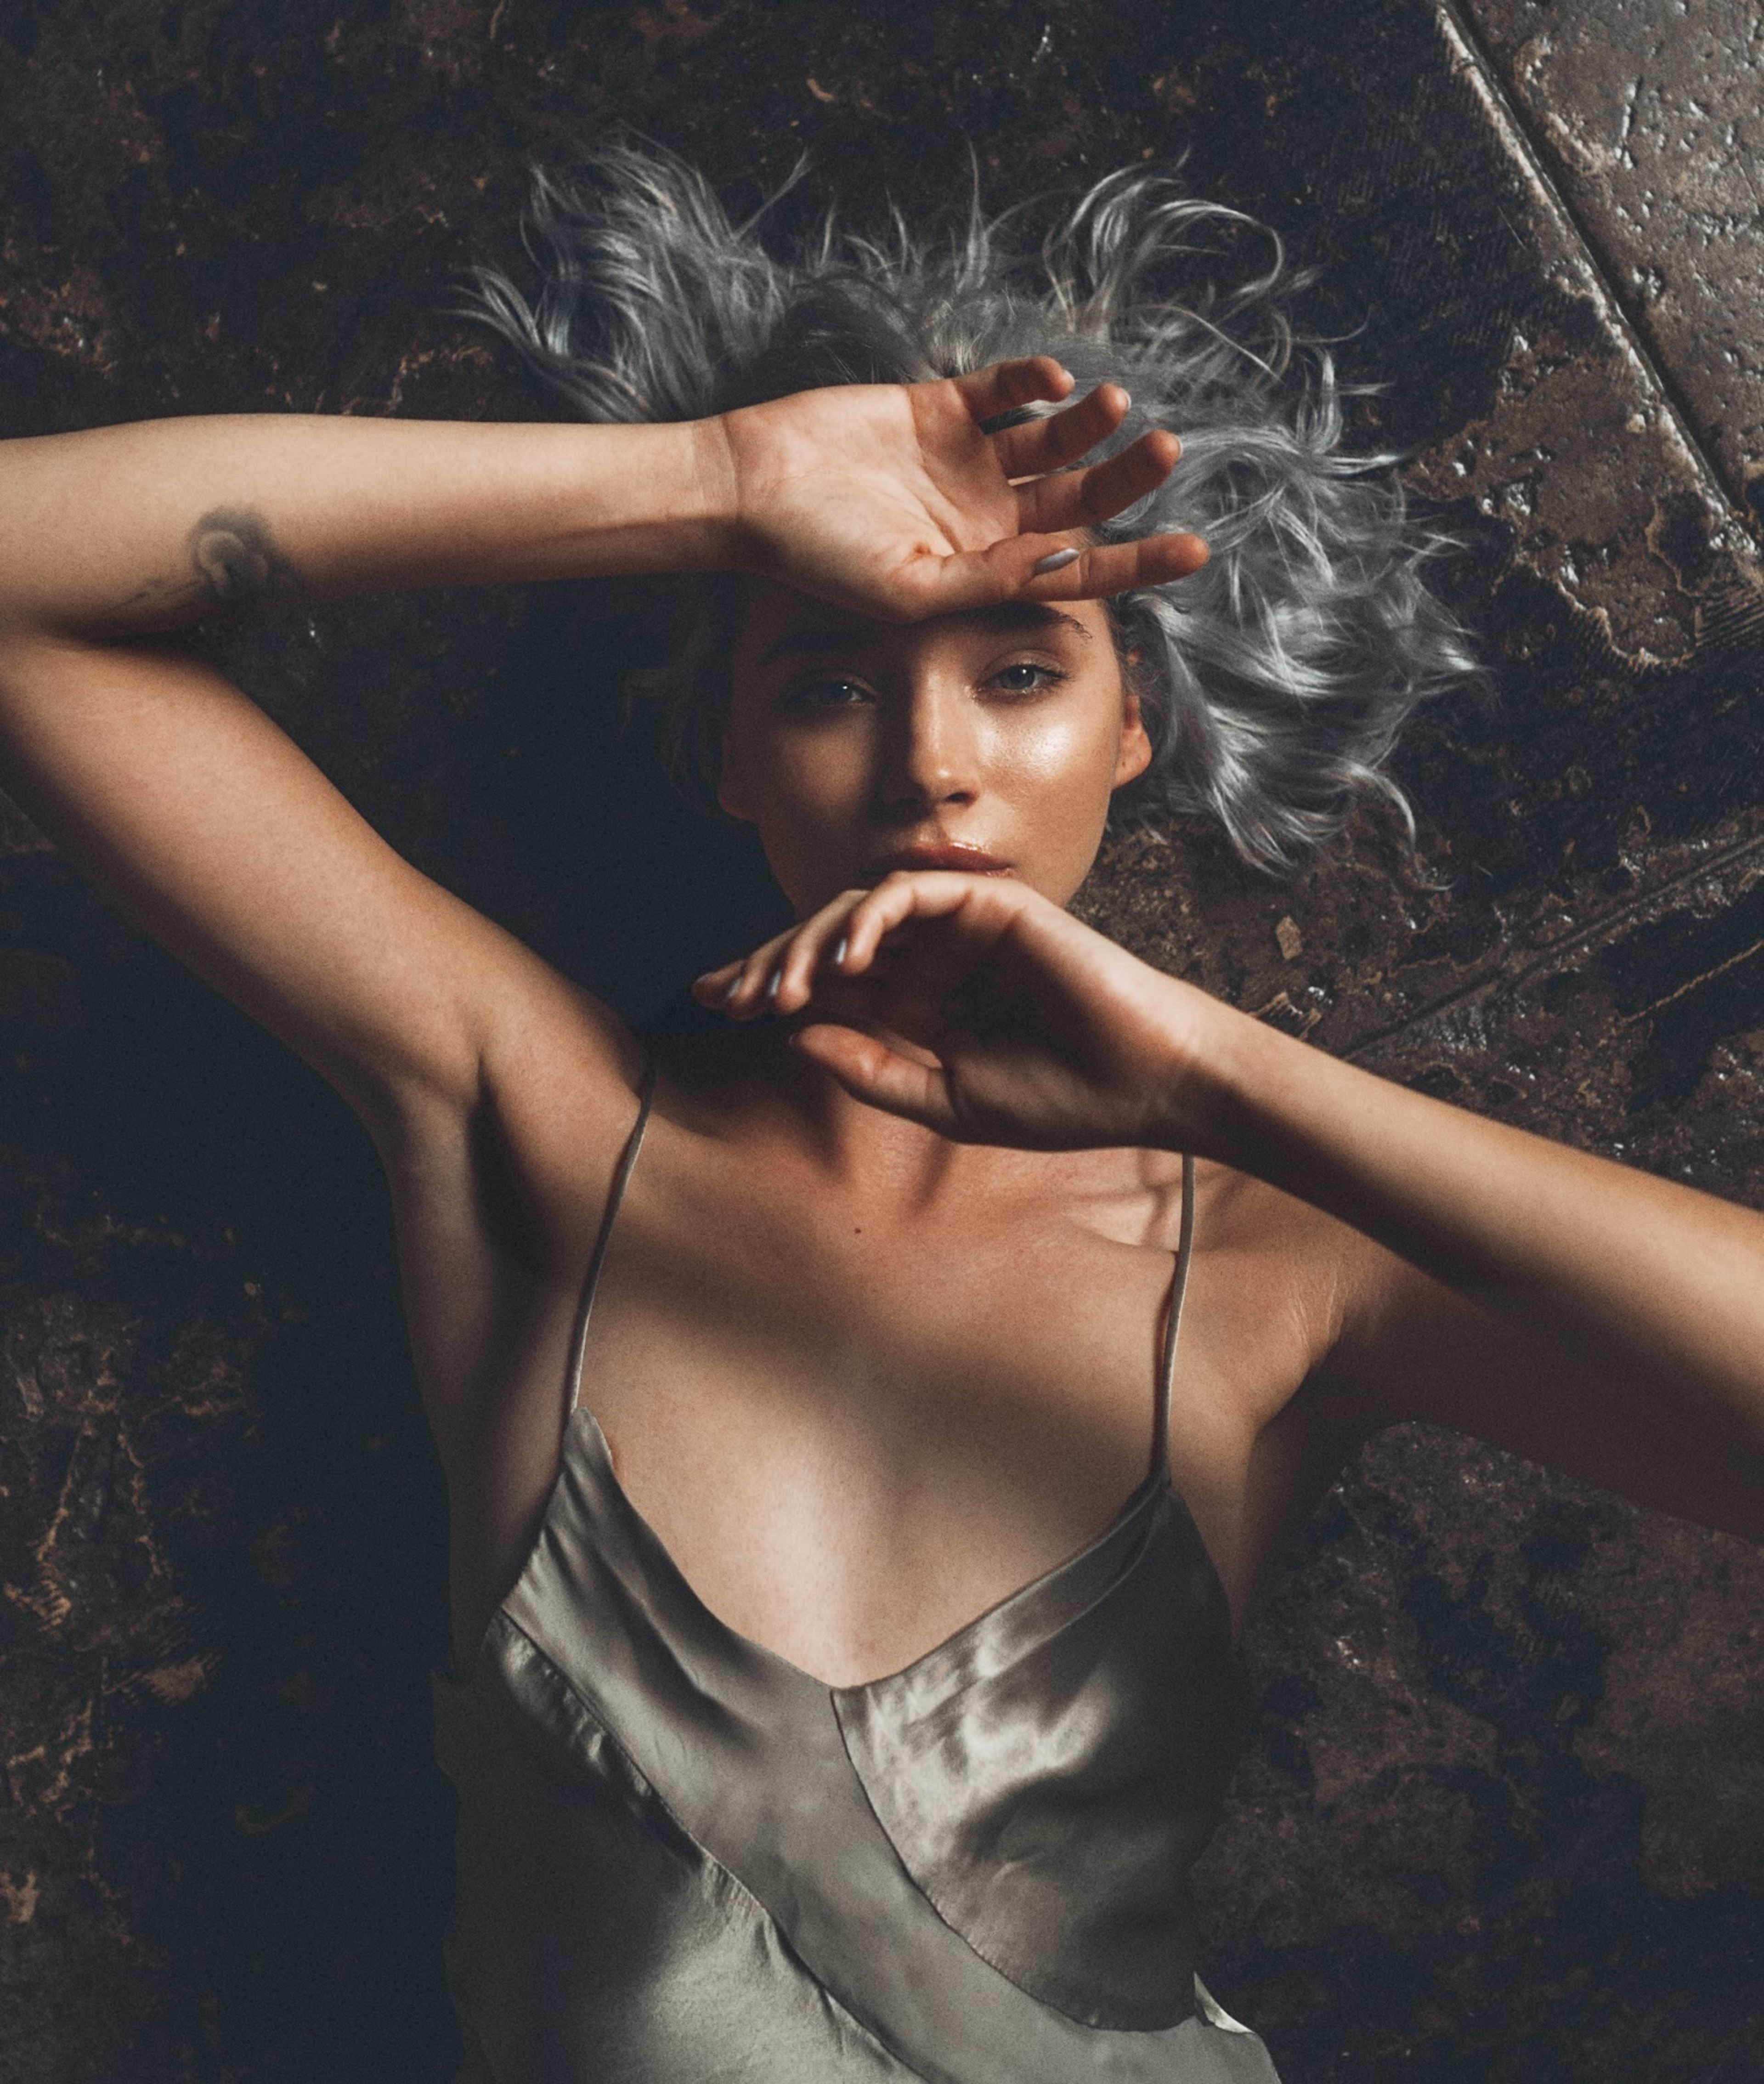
(1505,1814)
(1650,118)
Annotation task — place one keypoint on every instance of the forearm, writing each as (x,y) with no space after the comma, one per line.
(120,531)
(1651,1288)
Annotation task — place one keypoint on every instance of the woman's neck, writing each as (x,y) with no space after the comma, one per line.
(748,1081)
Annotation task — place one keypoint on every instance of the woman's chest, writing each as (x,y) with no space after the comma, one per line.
(853,1434)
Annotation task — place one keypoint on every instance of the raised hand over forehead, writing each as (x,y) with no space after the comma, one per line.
(895,500)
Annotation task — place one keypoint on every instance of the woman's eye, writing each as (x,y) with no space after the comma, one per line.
(1026,677)
(812,695)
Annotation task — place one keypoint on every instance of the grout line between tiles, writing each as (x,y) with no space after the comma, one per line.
(1521,140)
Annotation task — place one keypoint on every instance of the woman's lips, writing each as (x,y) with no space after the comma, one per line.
(968,860)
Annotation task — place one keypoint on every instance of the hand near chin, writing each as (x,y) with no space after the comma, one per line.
(976,1007)
(894,501)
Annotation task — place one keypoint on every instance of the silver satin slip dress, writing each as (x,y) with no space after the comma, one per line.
(683,1861)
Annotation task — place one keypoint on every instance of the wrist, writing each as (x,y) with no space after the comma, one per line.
(1225,1067)
(747,457)
(715,497)
(660,498)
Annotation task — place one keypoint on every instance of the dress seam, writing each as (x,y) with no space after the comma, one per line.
(598,1717)
(937,1910)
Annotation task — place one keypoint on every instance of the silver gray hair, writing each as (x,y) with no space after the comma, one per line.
(1274,681)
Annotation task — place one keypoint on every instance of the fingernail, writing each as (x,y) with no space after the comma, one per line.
(771,988)
(838,953)
(1055,561)
(735,985)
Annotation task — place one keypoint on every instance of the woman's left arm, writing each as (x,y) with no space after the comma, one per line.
(1596,1317)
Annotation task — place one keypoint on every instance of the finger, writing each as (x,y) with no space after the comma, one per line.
(1007,385)
(1052,443)
(1111,568)
(930,586)
(925,894)
(744,996)
(778,975)
(812,951)
(872,1072)
(1008,571)
(713,988)
(1081,499)
(718,987)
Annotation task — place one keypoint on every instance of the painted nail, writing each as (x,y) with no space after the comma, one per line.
(1055,561)
(734,986)
(771,988)
(838,953)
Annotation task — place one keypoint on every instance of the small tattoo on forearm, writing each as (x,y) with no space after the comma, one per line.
(235,567)
(236,564)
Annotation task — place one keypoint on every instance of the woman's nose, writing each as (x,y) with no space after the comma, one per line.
(928,751)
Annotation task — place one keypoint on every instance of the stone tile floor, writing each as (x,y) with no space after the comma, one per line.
(1505,1818)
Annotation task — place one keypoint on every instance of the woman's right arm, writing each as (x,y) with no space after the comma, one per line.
(185,802)
(204,821)
(459,1048)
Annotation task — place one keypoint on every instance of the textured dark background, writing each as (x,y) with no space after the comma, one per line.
(1504,1818)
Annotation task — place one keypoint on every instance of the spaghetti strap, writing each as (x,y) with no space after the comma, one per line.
(1172,1321)
(621,1179)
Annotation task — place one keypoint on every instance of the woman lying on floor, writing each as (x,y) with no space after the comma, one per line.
(845,1615)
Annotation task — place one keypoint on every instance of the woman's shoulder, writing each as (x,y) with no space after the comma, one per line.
(1235,1212)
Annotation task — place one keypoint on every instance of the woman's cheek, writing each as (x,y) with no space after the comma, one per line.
(1062,759)
(813,806)
(822,780)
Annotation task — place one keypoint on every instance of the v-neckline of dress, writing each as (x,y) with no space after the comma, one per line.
(951,1653)
(660,1559)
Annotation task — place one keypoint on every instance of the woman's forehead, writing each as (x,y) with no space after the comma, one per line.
(780,622)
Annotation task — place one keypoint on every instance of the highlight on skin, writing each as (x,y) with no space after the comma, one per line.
(1274,681)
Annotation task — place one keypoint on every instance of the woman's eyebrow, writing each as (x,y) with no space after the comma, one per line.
(800,641)
(1007,618)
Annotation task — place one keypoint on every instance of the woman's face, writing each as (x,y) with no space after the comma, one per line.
(858,747)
